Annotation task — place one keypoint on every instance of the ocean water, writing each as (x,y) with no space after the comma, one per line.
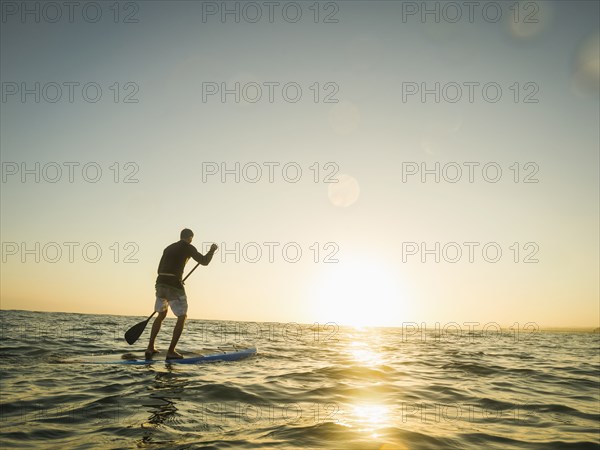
(310,386)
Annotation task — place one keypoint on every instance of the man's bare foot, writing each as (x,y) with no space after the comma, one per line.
(174,355)
(149,352)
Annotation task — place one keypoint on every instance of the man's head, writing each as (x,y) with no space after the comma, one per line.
(186,235)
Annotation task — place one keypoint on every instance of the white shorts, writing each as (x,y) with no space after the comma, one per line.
(174,298)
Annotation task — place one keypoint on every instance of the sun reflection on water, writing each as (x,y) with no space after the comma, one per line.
(362,353)
(370,418)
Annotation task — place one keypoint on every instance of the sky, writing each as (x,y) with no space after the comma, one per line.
(357,162)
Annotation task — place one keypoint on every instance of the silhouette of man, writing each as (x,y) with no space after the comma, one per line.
(170,290)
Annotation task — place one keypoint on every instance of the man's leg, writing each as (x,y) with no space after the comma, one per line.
(176,335)
(155,329)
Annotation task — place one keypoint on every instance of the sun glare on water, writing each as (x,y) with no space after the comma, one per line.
(362,353)
(360,294)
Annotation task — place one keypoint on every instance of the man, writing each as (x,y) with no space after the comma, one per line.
(170,290)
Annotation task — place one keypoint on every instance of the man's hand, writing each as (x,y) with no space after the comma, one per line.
(213,248)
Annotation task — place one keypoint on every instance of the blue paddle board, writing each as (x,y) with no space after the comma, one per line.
(188,357)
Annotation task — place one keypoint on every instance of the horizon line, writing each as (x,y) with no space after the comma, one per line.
(588,328)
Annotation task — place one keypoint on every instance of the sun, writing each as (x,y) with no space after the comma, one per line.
(360,293)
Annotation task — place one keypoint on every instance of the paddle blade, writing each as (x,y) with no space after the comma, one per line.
(134,333)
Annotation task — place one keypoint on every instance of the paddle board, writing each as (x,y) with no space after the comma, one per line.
(188,357)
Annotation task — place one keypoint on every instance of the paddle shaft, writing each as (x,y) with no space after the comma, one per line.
(186,277)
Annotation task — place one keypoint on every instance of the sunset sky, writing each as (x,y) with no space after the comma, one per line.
(159,123)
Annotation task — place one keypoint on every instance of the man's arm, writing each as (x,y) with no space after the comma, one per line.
(203,259)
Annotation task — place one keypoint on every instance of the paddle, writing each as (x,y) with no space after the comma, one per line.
(134,333)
